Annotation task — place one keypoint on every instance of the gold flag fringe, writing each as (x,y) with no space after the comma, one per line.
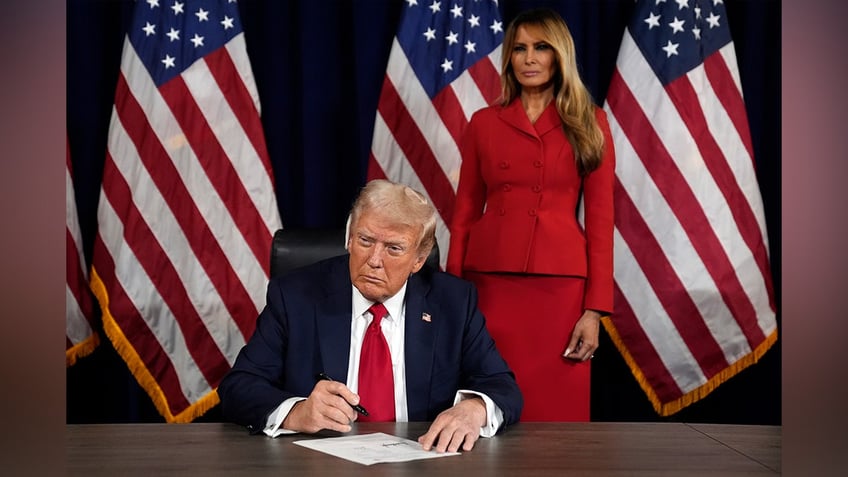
(695,395)
(81,349)
(126,350)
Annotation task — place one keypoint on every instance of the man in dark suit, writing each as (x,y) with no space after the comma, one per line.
(444,365)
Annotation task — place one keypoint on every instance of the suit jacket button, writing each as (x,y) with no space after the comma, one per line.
(507,187)
(501,211)
(504,165)
(531,212)
(537,188)
(537,163)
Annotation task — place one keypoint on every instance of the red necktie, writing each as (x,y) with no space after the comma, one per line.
(376,385)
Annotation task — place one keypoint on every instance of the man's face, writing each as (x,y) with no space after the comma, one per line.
(382,255)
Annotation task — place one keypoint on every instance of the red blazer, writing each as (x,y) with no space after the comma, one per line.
(517,201)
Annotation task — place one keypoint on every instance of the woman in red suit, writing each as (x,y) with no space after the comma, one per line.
(544,279)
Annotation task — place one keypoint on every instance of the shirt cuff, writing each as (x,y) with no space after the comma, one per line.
(277,416)
(494,415)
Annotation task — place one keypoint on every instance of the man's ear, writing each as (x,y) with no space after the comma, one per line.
(419,262)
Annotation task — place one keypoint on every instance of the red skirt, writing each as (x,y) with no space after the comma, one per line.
(531,318)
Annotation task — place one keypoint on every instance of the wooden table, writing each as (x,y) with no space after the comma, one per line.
(526,450)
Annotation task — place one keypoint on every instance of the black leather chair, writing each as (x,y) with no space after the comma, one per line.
(296,247)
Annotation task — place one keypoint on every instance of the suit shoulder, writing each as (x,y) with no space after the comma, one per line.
(440,281)
(321,273)
(487,113)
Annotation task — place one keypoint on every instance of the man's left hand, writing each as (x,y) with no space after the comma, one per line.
(458,425)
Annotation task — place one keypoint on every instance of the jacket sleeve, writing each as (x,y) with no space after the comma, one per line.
(599,222)
(484,369)
(453,351)
(252,388)
(470,198)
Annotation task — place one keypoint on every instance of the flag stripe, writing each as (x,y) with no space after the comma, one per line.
(400,171)
(487,78)
(155,263)
(234,90)
(657,215)
(469,97)
(250,267)
(476,88)
(80,337)
(405,97)
(76,330)
(676,190)
(443,67)
(122,318)
(451,113)
(666,283)
(410,139)
(255,181)
(721,182)
(664,338)
(215,163)
(77,283)
(693,289)
(148,334)
(196,232)
(188,208)
(714,138)
(686,101)
(375,170)
(730,96)
(750,216)
(665,385)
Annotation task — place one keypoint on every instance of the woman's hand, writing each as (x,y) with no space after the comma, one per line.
(584,337)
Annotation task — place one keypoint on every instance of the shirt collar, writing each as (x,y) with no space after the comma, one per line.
(394,305)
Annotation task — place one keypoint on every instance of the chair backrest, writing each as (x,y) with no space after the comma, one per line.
(297,247)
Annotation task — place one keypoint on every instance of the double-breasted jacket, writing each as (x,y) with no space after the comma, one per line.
(517,202)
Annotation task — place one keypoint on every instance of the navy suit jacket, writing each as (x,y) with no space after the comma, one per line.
(305,329)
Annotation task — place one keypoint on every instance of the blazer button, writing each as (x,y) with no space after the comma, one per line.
(507,187)
(532,212)
(537,163)
(504,165)
(501,211)
(537,188)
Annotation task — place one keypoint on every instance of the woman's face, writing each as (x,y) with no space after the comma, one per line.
(533,59)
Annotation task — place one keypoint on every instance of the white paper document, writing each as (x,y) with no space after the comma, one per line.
(372,448)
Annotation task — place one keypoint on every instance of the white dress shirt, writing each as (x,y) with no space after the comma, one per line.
(393,329)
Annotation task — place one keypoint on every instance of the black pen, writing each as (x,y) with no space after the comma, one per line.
(357,408)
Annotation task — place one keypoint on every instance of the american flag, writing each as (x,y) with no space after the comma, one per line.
(187,207)
(444,65)
(80,337)
(694,298)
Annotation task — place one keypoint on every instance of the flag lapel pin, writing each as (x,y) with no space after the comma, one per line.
(426,317)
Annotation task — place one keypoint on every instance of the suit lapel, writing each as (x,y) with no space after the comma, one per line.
(333,315)
(421,321)
(548,121)
(515,116)
(420,334)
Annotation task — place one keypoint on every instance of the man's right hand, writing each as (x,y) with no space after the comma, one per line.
(327,407)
